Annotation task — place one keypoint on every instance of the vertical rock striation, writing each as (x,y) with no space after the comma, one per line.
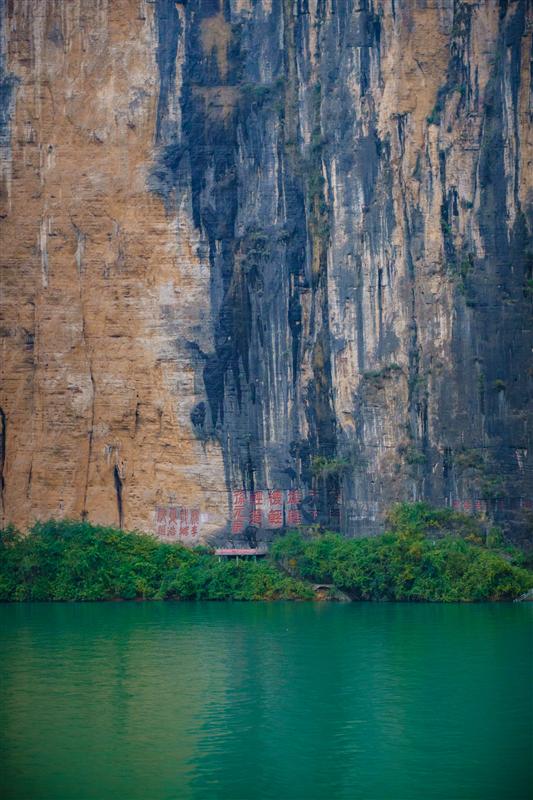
(102,286)
(266,244)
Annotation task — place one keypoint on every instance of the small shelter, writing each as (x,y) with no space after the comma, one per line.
(242,552)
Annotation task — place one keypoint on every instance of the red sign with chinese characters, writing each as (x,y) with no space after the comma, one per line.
(270,509)
(175,522)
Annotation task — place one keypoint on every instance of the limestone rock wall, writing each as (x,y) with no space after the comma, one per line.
(265,244)
(101,286)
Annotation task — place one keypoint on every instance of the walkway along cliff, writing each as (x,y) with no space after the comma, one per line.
(265,262)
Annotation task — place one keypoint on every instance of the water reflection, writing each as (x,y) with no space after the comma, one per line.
(232,701)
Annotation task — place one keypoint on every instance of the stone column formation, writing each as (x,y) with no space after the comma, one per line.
(265,246)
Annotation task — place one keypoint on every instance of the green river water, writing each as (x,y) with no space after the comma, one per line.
(225,701)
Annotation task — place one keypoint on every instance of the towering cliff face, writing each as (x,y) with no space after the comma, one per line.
(265,244)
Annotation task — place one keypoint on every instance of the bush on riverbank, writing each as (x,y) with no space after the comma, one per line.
(77,561)
(430,554)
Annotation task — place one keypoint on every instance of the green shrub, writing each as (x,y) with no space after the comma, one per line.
(322,467)
(427,520)
(71,560)
(407,564)
(429,554)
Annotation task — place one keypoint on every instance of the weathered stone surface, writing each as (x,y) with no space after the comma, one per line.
(252,245)
(525,598)
(101,286)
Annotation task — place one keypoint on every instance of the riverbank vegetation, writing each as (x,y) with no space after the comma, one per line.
(427,554)
(77,561)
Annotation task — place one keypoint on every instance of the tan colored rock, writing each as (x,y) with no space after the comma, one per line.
(92,387)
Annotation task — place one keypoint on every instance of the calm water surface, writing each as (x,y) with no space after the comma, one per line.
(229,701)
